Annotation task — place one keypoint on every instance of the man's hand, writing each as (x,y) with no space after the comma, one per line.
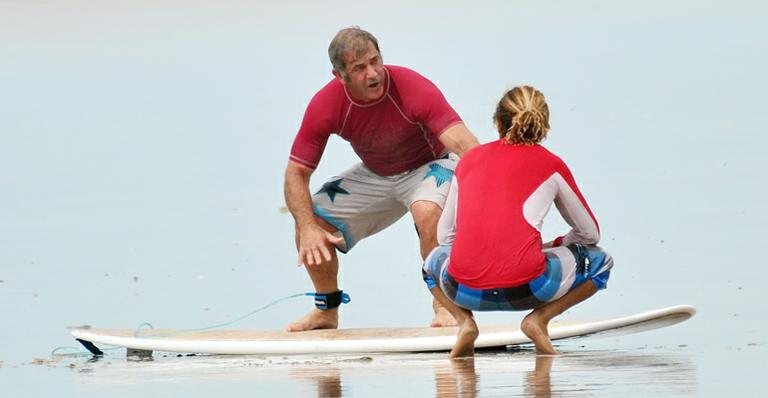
(316,245)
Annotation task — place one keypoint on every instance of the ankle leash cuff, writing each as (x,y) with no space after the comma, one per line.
(328,301)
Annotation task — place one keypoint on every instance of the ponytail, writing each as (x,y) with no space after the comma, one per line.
(522,116)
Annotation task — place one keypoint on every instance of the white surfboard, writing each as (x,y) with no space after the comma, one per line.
(363,340)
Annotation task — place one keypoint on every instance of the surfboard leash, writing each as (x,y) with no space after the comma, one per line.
(145,325)
(322,301)
(79,351)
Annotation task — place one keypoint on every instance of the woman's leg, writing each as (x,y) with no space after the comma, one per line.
(534,325)
(435,265)
(579,271)
(468,332)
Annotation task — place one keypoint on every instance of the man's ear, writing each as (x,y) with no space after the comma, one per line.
(338,76)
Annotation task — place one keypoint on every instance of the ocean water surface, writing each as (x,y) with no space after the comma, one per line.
(142,146)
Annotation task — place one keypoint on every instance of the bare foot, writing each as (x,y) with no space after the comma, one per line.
(443,318)
(316,319)
(465,339)
(535,327)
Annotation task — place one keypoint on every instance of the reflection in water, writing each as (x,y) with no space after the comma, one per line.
(322,380)
(505,373)
(578,374)
(329,384)
(458,380)
(537,383)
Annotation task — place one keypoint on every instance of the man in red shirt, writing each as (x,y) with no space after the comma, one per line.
(407,136)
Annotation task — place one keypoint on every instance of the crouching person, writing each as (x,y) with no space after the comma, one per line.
(491,256)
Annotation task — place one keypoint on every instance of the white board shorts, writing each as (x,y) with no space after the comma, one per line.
(360,203)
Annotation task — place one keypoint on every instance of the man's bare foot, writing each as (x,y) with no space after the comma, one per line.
(465,339)
(535,327)
(316,319)
(443,318)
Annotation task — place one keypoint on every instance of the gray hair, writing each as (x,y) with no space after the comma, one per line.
(351,39)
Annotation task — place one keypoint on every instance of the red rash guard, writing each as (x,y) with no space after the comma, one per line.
(495,209)
(394,134)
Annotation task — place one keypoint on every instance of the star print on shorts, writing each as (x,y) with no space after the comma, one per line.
(332,188)
(441,174)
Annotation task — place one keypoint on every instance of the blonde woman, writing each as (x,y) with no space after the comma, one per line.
(491,255)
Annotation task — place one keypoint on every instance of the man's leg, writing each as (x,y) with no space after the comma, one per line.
(324,278)
(425,216)
(534,325)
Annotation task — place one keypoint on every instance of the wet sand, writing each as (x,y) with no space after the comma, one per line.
(580,372)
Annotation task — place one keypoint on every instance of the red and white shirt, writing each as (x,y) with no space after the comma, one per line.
(495,209)
(397,133)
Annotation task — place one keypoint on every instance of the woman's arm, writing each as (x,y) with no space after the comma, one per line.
(446,226)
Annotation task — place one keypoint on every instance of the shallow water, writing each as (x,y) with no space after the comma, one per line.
(588,367)
(142,146)
(505,373)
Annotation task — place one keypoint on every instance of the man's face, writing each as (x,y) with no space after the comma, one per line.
(365,74)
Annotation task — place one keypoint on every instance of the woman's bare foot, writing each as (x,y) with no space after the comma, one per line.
(535,327)
(465,339)
(443,318)
(316,319)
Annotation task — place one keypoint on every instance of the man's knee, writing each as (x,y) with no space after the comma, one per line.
(425,216)
(425,208)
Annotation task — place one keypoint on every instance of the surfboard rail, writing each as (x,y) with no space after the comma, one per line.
(366,340)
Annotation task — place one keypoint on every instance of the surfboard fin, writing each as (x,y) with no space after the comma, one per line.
(91,347)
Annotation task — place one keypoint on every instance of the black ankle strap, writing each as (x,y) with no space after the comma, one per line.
(328,301)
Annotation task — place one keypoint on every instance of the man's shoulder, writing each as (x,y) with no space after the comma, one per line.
(409,84)
(329,97)
(332,89)
(404,74)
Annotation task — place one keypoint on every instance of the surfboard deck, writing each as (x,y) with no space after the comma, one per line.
(362,340)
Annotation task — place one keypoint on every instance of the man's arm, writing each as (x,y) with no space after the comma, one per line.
(297,196)
(313,242)
(458,139)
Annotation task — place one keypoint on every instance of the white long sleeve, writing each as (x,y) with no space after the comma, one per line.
(446,226)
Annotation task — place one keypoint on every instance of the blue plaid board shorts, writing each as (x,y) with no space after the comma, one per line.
(567,267)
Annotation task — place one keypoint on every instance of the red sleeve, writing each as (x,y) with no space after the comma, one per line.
(316,126)
(426,104)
